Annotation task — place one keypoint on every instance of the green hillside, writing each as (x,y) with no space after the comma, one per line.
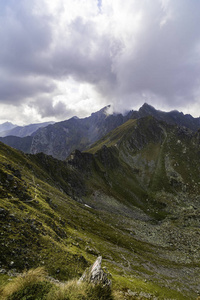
(133,198)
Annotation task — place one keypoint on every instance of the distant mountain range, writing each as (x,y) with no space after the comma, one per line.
(61,138)
(8,129)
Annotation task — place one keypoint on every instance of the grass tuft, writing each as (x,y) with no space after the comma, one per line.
(73,290)
(35,285)
(29,282)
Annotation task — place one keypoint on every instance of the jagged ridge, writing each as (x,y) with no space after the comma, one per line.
(60,139)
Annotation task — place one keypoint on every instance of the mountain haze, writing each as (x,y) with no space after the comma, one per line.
(6,126)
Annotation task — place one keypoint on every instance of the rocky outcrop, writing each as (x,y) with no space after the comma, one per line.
(95,274)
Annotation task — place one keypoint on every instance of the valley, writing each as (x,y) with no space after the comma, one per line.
(133,197)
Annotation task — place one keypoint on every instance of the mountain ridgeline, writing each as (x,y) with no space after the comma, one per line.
(132,197)
(61,138)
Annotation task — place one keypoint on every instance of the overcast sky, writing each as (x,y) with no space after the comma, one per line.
(60,58)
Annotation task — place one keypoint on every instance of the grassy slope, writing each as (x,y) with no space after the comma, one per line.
(41,225)
(157,170)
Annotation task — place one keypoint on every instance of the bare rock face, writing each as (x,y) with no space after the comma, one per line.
(95,274)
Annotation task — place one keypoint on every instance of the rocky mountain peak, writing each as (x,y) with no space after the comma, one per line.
(147,108)
(102,112)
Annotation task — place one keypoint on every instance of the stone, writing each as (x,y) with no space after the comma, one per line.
(96,275)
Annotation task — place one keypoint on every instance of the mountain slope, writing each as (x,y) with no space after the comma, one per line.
(60,139)
(157,155)
(22,144)
(148,173)
(133,198)
(42,225)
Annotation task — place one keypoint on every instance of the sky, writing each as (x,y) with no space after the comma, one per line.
(65,58)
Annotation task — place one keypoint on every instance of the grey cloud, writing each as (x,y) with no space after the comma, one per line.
(162,60)
(45,108)
(24,39)
(27,41)
(15,90)
(84,55)
(24,36)
(28,52)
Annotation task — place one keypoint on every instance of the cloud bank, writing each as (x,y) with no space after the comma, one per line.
(59,58)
